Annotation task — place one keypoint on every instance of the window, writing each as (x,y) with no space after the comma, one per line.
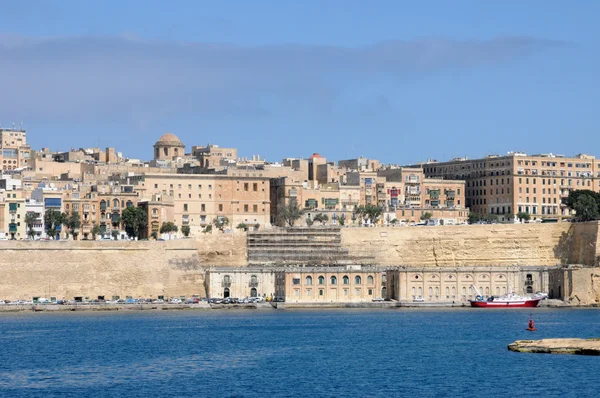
(308,292)
(346,280)
(320,292)
(202,207)
(255,187)
(308,280)
(370,292)
(185,207)
(255,208)
(220,207)
(369,280)
(296,281)
(245,208)
(321,280)
(357,280)
(333,280)
(245,186)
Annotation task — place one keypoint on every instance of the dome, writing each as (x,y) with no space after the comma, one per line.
(316,156)
(169,139)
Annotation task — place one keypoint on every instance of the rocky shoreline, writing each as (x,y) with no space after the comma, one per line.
(558,346)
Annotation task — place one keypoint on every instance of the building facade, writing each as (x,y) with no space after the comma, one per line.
(240,283)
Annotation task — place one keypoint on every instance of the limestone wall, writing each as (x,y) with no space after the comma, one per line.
(473,245)
(113,268)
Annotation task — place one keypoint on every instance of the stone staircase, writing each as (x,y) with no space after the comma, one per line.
(297,246)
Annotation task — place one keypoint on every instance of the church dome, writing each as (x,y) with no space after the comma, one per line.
(169,139)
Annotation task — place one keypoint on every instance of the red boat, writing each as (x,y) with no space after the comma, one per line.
(509,300)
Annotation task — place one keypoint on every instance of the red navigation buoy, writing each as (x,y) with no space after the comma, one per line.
(531,326)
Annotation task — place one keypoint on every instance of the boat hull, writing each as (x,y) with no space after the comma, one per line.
(505,303)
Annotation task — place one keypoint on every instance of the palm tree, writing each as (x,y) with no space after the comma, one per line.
(30,220)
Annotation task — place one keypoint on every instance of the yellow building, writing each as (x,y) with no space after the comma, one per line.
(12,215)
(517,182)
(240,283)
(14,151)
(213,156)
(330,284)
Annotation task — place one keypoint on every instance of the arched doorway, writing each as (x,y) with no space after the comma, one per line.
(383,292)
(226,292)
(253,292)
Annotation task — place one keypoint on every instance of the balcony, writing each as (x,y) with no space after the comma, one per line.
(225,284)
(528,282)
(253,284)
(450,193)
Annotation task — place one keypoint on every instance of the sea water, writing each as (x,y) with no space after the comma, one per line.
(280,353)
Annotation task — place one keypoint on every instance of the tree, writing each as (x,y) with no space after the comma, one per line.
(242,226)
(342,220)
(95,230)
(73,223)
(490,218)
(426,216)
(53,219)
(256,226)
(523,216)
(474,218)
(135,219)
(30,220)
(394,221)
(185,230)
(586,208)
(168,228)
(309,222)
(322,218)
(369,212)
(575,194)
(289,213)
(221,222)
(207,229)
(115,234)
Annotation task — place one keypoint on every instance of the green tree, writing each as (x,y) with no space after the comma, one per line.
(575,194)
(369,213)
(168,228)
(523,216)
(242,226)
(53,219)
(207,229)
(490,218)
(95,230)
(115,234)
(135,220)
(73,223)
(309,222)
(586,208)
(394,221)
(474,218)
(426,216)
(322,218)
(256,226)
(185,230)
(220,223)
(342,220)
(288,214)
(30,220)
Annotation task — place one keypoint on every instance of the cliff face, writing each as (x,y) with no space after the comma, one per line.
(498,244)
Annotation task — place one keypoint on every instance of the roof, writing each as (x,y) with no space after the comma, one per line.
(169,139)
(316,156)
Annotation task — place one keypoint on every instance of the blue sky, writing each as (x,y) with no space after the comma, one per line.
(397,81)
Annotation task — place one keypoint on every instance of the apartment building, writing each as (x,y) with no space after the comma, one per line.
(12,215)
(517,182)
(199,198)
(14,151)
(213,156)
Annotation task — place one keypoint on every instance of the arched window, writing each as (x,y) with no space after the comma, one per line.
(464,291)
(333,280)
(227,279)
(414,291)
(346,280)
(321,280)
(357,280)
(503,290)
(437,291)
(154,211)
(447,291)
(67,207)
(420,291)
(308,280)
(497,291)
(430,292)
(115,202)
(369,280)
(487,290)
(129,203)
(253,279)
(453,291)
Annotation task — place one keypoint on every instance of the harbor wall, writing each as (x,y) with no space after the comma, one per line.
(173,268)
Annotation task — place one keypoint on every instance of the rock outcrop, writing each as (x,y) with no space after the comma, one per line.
(557,346)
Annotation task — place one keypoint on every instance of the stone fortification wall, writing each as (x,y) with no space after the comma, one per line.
(473,245)
(114,268)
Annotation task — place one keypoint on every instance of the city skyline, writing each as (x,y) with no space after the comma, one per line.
(464,78)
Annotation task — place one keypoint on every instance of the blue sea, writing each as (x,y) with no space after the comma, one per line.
(289,353)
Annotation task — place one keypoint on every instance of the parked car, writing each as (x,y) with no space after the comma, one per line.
(175,300)
(131,301)
(158,301)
